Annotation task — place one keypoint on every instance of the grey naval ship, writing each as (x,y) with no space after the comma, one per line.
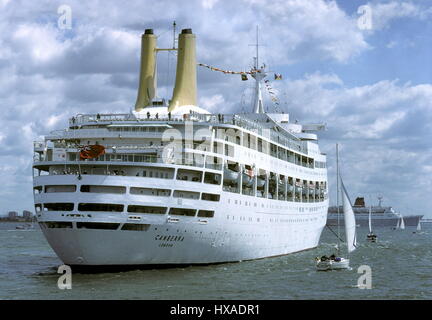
(381,216)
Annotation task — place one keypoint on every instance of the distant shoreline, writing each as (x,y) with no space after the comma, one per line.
(18,220)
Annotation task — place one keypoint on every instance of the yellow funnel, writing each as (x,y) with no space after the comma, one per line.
(147,82)
(185,89)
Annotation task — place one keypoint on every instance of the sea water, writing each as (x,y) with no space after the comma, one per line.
(400,268)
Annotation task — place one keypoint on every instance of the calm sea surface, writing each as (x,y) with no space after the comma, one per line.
(400,261)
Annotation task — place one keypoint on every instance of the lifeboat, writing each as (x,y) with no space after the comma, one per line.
(230,175)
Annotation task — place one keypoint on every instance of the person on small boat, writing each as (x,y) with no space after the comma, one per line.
(324,258)
(334,258)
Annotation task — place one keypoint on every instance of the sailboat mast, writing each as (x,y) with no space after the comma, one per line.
(337,191)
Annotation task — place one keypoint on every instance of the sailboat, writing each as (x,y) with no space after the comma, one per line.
(371,237)
(419,226)
(402,224)
(336,262)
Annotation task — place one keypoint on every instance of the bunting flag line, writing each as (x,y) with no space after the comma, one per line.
(243,74)
(244,77)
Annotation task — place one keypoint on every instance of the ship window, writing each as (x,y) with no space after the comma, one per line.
(206,213)
(210,197)
(151,192)
(182,212)
(189,175)
(108,207)
(147,209)
(229,150)
(213,163)
(97,225)
(102,189)
(135,227)
(217,147)
(212,178)
(57,224)
(58,206)
(60,188)
(186,194)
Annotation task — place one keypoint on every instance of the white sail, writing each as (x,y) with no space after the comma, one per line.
(402,224)
(370,219)
(398,224)
(419,226)
(350,224)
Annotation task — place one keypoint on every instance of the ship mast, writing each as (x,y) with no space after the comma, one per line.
(258,74)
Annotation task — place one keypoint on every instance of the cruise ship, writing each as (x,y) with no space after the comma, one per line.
(169,183)
(381,216)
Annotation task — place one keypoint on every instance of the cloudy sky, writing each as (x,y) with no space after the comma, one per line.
(362,67)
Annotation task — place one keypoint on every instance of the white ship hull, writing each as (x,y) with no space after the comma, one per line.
(238,231)
(171,183)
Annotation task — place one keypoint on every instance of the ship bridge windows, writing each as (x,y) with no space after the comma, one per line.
(150,192)
(59,206)
(105,207)
(103,189)
(146,209)
(189,175)
(182,212)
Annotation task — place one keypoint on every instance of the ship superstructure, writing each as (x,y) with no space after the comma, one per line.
(171,183)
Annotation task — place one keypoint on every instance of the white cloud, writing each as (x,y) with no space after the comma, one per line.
(383,14)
